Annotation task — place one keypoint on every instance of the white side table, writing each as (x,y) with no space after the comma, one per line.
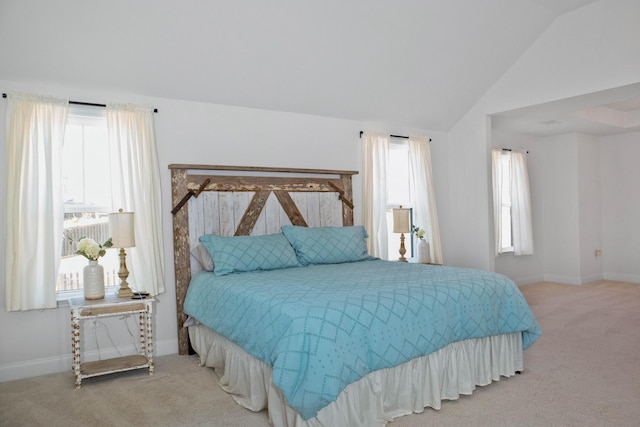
(111,305)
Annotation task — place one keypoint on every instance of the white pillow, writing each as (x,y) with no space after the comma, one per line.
(203,256)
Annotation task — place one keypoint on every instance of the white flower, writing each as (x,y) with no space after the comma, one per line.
(91,250)
(419,232)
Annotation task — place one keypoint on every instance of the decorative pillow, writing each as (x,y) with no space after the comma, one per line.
(249,253)
(203,256)
(328,245)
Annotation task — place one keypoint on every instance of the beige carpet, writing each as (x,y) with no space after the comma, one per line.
(584,371)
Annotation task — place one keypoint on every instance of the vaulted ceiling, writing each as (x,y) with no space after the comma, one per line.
(419,63)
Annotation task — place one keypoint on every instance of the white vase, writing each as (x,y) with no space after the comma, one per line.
(93,284)
(423,251)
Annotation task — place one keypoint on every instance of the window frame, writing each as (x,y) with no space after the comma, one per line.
(85,116)
(393,239)
(505,188)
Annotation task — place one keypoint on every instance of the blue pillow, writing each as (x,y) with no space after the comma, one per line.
(233,254)
(328,245)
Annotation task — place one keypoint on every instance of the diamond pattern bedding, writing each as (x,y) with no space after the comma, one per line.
(322,327)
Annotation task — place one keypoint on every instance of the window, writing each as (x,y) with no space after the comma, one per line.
(513,230)
(398,194)
(397,173)
(506,243)
(86,186)
(35,219)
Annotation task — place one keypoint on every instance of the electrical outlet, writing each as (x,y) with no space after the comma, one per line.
(598,253)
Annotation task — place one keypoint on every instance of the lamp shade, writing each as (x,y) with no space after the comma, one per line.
(121,225)
(401,220)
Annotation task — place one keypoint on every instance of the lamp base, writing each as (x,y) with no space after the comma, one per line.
(124,291)
(403,250)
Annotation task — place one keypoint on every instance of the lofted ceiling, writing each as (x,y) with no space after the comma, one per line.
(417,63)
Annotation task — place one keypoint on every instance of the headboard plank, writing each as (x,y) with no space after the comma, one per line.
(211,203)
(290,208)
(261,169)
(181,253)
(274,216)
(347,212)
(257,202)
(252,213)
(254,183)
(227,222)
(241,202)
(327,205)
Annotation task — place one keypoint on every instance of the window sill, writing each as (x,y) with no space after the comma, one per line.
(507,251)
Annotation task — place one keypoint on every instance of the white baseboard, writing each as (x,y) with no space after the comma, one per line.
(591,279)
(573,280)
(631,278)
(528,280)
(567,280)
(56,364)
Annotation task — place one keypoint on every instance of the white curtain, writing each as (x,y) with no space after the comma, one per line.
(521,222)
(134,158)
(34,210)
(421,176)
(496,179)
(521,219)
(374,176)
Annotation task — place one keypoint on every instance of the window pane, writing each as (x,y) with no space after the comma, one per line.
(506,200)
(506,179)
(85,171)
(70,275)
(97,179)
(398,192)
(506,227)
(72,165)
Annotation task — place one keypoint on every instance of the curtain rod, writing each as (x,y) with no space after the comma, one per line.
(90,104)
(392,136)
(509,149)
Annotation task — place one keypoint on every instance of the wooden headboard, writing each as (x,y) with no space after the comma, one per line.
(242,200)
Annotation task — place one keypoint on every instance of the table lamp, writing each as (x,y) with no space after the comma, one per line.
(401,224)
(122,236)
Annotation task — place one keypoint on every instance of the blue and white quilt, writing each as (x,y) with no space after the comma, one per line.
(322,327)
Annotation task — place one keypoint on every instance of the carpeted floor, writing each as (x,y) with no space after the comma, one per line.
(584,371)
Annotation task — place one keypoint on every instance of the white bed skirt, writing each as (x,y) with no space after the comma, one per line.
(378,397)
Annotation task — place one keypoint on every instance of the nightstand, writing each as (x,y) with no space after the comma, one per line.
(111,305)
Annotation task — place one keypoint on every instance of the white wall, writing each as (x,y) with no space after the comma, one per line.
(572,209)
(620,170)
(560,249)
(589,208)
(591,49)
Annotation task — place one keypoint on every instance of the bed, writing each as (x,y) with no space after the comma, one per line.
(275,291)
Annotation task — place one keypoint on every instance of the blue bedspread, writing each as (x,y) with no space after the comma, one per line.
(322,327)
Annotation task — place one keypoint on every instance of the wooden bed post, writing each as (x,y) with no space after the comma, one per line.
(347,212)
(181,263)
